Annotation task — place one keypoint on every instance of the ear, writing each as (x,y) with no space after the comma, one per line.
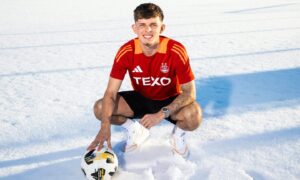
(163,27)
(134,28)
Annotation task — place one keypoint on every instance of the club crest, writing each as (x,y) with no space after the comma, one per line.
(164,68)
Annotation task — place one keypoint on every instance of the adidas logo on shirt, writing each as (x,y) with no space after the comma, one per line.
(137,69)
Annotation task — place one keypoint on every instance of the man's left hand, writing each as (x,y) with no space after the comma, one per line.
(150,120)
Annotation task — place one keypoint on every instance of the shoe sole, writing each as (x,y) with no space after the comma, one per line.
(136,145)
(174,149)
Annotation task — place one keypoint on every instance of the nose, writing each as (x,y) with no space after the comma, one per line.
(148,28)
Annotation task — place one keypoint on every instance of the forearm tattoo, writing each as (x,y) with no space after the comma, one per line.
(185,98)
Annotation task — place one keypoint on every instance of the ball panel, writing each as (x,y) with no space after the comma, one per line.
(99,164)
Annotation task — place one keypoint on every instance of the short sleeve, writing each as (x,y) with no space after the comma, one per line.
(184,72)
(120,65)
(183,69)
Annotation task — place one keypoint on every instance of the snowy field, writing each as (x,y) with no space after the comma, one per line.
(55,58)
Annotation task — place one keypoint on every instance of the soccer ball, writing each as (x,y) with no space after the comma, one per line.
(99,165)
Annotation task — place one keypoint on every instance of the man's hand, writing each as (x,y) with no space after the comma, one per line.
(150,120)
(102,136)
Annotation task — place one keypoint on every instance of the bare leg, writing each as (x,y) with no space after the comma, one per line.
(120,113)
(188,118)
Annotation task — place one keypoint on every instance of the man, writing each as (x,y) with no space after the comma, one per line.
(163,84)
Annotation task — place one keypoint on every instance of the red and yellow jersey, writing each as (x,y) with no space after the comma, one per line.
(156,77)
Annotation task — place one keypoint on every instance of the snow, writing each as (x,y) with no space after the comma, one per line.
(55,58)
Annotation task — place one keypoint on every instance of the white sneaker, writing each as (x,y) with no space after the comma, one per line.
(136,135)
(179,145)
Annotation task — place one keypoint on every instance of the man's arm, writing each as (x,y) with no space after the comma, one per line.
(108,105)
(109,99)
(187,97)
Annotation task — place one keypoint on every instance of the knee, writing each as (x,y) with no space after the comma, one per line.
(98,109)
(198,117)
(194,118)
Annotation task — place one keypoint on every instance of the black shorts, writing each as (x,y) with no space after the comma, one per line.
(141,105)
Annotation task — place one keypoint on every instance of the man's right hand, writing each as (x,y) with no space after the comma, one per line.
(103,135)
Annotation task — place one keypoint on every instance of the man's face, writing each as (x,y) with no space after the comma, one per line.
(148,30)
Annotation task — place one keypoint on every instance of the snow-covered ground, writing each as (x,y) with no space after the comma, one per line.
(55,58)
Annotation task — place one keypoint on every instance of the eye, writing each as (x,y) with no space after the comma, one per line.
(141,26)
(153,25)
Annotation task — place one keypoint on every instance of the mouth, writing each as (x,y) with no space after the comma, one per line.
(148,37)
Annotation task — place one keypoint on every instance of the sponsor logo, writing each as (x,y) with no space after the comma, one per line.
(151,81)
(137,69)
(164,68)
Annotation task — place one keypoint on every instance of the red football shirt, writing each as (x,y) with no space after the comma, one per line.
(156,77)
